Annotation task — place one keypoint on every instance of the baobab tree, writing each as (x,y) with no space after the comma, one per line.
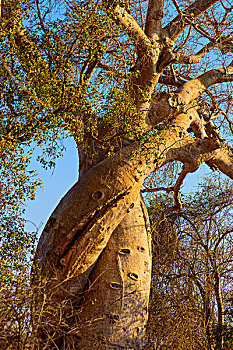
(137,85)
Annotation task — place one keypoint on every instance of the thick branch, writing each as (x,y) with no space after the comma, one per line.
(195,87)
(195,58)
(128,23)
(176,57)
(179,24)
(142,84)
(153,18)
(171,80)
(166,105)
(157,189)
(184,172)
(223,160)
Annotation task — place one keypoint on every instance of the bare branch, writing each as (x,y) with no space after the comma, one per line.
(177,7)
(230,123)
(201,30)
(176,57)
(221,238)
(223,43)
(184,172)
(195,58)
(227,12)
(185,41)
(195,87)
(166,105)
(176,189)
(88,69)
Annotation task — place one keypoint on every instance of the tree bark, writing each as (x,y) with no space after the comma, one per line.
(94,253)
(114,308)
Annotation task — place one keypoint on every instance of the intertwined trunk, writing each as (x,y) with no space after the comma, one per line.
(108,300)
(114,308)
(94,252)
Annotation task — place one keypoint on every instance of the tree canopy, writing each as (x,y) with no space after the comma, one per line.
(76,69)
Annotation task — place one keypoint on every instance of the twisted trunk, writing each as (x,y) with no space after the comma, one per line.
(94,252)
(106,299)
(114,308)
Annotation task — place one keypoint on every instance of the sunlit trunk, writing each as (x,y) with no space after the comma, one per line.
(106,307)
(114,309)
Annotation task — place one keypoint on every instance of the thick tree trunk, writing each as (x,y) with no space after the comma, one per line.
(94,252)
(114,309)
(106,306)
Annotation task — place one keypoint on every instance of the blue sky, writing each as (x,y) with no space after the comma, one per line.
(56,183)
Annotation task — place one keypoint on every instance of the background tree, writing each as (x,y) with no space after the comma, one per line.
(192,283)
(137,86)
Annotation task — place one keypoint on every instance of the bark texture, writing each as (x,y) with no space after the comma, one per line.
(114,308)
